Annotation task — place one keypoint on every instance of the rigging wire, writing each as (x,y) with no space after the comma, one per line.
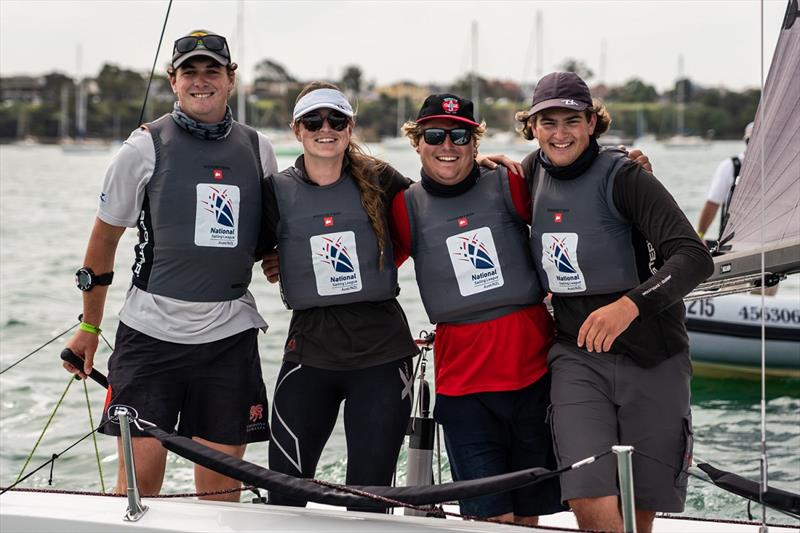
(155,60)
(763,486)
(40,347)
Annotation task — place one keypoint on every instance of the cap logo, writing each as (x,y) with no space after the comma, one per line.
(569,102)
(450,105)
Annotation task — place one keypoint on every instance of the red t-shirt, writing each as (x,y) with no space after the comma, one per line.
(503,354)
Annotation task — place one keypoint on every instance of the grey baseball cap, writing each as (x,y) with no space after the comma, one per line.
(201,43)
(559,89)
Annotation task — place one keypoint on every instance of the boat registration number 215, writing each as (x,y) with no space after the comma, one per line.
(730,310)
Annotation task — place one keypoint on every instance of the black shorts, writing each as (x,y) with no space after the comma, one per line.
(491,433)
(215,388)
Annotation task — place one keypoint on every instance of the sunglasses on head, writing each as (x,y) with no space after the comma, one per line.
(336,120)
(458,136)
(214,43)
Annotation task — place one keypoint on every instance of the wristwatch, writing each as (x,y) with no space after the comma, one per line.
(86,280)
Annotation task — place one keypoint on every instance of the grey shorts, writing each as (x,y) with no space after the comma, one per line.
(603,399)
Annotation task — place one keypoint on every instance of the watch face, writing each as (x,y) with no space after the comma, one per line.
(83,279)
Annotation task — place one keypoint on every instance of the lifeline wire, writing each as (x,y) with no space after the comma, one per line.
(56,455)
(155,59)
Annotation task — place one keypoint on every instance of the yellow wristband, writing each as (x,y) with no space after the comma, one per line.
(88,328)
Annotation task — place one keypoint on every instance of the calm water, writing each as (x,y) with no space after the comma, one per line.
(47,206)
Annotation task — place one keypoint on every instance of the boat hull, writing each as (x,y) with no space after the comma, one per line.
(725,335)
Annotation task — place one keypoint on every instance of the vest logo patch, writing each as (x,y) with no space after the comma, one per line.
(558,217)
(463,222)
(475,262)
(217,173)
(560,262)
(335,262)
(217,216)
(327,222)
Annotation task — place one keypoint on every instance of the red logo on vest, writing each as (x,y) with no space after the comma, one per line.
(450,105)
(463,222)
(217,174)
(327,222)
(557,217)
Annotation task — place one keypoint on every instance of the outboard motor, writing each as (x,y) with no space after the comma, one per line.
(421,430)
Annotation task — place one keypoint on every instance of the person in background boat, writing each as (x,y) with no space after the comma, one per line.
(617,253)
(723,184)
(185,348)
(348,340)
(467,230)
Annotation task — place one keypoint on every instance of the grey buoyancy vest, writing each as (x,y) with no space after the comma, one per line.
(328,251)
(471,252)
(580,243)
(199,223)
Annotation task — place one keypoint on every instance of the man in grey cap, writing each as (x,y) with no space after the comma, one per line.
(618,255)
(186,342)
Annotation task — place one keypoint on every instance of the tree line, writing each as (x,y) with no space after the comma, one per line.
(116,94)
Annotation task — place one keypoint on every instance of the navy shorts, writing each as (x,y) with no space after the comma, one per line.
(215,388)
(489,433)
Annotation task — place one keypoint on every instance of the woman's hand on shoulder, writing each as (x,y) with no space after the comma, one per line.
(270,265)
(491,162)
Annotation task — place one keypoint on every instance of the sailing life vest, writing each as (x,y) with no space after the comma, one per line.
(580,243)
(328,251)
(471,252)
(199,223)
(726,205)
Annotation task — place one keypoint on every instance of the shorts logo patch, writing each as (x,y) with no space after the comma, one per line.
(474,258)
(335,262)
(217,216)
(560,262)
(111,412)
(256,412)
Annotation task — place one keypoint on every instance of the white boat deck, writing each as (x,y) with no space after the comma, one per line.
(73,513)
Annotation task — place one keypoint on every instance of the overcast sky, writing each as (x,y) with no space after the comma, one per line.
(423,41)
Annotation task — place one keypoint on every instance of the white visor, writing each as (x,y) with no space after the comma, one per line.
(329,98)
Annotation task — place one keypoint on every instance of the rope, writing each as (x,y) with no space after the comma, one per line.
(40,347)
(94,437)
(44,430)
(155,59)
(56,455)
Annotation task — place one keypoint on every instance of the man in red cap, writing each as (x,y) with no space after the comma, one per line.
(467,230)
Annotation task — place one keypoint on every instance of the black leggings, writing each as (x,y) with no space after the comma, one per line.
(377,405)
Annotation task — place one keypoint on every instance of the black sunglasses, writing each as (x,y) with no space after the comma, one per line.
(214,43)
(313,121)
(458,136)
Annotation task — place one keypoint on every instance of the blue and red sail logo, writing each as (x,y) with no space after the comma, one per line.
(335,254)
(473,250)
(221,206)
(559,255)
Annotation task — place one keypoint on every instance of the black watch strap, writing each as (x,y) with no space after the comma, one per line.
(86,280)
(103,279)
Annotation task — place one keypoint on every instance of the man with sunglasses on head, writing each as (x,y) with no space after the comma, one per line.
(467,229)
(185,347)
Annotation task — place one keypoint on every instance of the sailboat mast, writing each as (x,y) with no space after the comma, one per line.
(475,85)
(241,110)
(80,98)
(681,96)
